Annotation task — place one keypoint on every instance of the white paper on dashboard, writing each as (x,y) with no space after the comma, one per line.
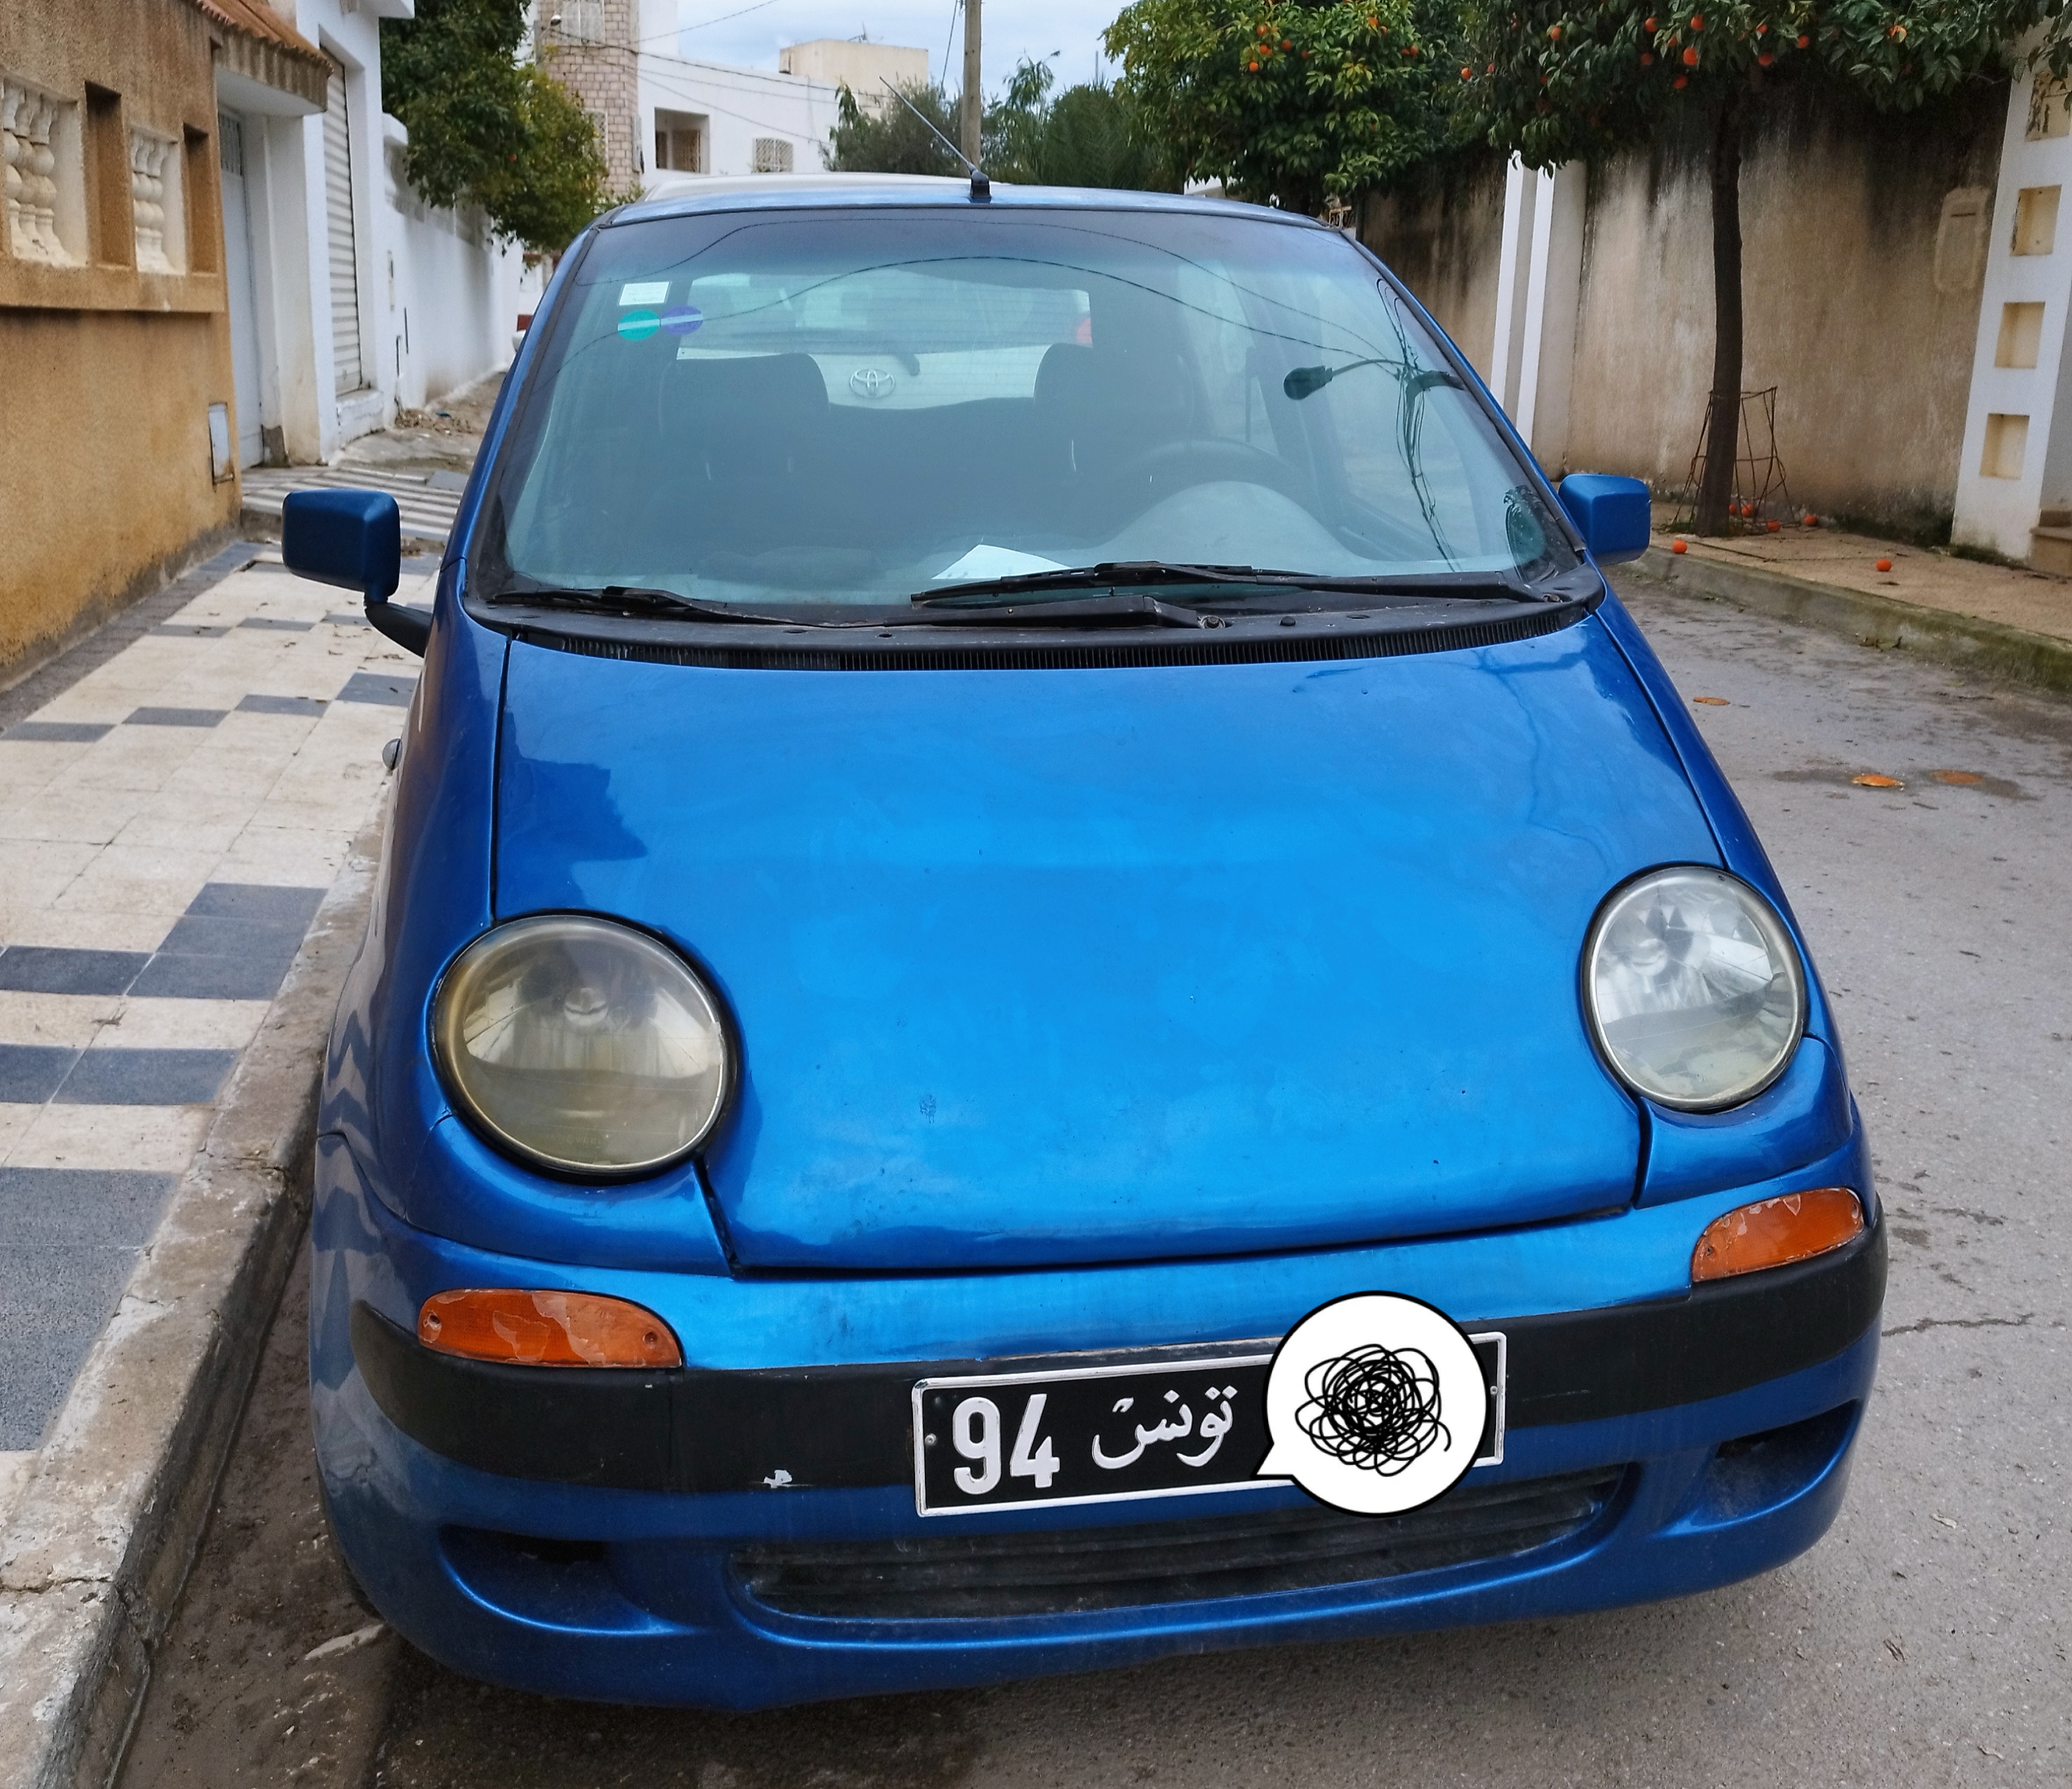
(985,561)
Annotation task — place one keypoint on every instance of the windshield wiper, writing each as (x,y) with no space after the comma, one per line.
(1007,607)
(1113,575)
(1112,605)
(627,597)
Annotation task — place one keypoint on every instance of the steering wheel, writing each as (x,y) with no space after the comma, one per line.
(1176,465)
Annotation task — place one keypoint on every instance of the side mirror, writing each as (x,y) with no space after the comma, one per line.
(354,539)
(1614,516)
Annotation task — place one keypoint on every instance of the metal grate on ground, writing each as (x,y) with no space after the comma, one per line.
(428,501)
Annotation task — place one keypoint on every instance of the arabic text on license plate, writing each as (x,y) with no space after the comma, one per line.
(1105,1434)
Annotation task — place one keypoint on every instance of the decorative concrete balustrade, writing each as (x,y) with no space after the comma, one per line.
(31,122)
(153,169)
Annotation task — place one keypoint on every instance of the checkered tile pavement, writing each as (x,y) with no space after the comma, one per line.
(169,824)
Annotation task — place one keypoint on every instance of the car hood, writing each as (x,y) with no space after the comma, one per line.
(1049,965)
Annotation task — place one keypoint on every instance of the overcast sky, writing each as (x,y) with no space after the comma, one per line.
(1013,29)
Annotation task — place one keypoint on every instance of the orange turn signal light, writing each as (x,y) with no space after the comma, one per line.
(1773,1232)
(546,1329)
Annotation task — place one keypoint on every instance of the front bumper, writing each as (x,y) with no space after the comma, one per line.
(614,1534)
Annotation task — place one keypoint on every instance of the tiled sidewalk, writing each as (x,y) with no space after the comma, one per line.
(168,825)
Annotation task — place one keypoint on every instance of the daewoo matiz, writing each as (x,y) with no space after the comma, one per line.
(1010,793)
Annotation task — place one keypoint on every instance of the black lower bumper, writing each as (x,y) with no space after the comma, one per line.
(695,1430)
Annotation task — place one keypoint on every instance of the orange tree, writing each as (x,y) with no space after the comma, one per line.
(1290,102)
(1561,80)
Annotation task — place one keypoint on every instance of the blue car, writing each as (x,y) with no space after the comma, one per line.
(1012,791)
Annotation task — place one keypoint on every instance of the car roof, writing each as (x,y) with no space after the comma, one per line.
(682,194)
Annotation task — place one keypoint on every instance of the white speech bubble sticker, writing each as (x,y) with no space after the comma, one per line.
(1375,1404)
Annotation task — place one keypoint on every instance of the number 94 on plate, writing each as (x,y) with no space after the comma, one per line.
(1096,1434)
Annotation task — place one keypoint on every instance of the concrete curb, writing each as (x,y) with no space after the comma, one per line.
(105,1529)
(1992,647)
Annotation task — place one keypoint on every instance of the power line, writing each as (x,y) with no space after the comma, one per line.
(658,37)
(706,103)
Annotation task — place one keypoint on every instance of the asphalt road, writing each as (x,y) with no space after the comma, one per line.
(1923,1642)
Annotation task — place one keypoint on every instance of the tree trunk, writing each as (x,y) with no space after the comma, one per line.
(1723,414)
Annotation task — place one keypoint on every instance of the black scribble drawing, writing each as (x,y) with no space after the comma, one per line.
(1374,1406)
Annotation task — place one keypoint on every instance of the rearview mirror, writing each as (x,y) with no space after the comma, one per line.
(353,539)
(1613,515)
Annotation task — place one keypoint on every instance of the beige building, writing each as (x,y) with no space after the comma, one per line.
(592,48)
(117,400)
(856,63)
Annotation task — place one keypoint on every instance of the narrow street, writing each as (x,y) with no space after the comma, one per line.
(1923,1642)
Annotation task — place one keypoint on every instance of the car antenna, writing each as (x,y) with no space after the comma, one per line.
(981,188)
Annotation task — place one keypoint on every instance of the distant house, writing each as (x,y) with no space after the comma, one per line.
(866,68)
(657,112)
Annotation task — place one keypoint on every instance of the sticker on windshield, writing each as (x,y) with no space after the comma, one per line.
(1375,1404)
(637,326)
(644,292)
(682,320)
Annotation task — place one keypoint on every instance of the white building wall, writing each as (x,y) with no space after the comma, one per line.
(736,106)
(450,296)
(437,300)
(1540,272)
(2017,451)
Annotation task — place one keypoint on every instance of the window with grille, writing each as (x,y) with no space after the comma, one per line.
(582,21)
(773,155)
(679,141)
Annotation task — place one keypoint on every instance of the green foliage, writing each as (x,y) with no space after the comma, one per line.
(486,129)
(1084,137)
(889,139)
(1087,136)
(1558,81)
(1299,102)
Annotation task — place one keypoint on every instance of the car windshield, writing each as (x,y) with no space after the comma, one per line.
(860,406)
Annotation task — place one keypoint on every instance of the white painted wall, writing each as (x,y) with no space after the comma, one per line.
(438,301)
(738,105)
(1539,272)
(2001,491)
(450,297)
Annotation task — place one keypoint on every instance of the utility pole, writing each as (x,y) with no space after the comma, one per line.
(970,102)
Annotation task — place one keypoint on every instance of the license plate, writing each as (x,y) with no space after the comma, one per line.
(1107,1434)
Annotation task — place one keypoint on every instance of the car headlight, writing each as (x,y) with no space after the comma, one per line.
(581,1046)
(1693,988)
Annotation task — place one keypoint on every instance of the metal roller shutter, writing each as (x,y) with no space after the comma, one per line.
(344,248)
